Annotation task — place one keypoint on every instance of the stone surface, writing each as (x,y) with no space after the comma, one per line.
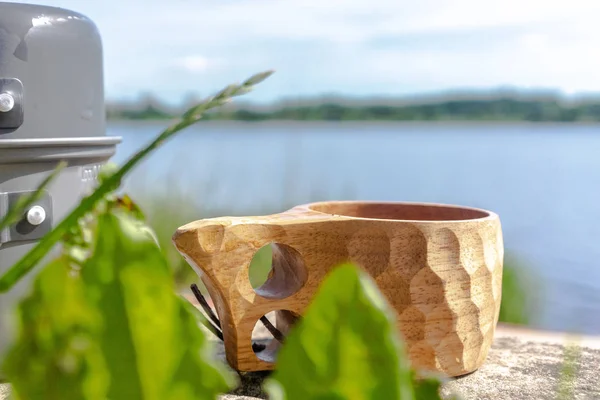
(517,369)
(519,366)
(4,391)
(522,364)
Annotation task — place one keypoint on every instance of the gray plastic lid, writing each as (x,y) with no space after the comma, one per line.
(56,55)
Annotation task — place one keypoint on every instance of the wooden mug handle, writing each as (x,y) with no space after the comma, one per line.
(221,249)
(202,241)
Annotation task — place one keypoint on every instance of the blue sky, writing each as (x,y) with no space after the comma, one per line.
(350,47)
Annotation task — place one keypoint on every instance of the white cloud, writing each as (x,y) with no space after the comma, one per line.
(209,21)
(339,21)
(528,61)
(351,21)
(323,45)
(534,41)
(197,63)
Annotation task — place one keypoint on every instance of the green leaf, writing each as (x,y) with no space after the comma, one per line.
(516,285)
(112,327)
(55,356)
(345,347)
(568,373)
(150,346)
(428,388)
(192,376)
(126,203)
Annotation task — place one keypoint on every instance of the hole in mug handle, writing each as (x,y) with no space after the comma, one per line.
(277,271)
(265,344)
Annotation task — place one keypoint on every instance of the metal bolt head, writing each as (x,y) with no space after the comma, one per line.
(36,215)
(7,102)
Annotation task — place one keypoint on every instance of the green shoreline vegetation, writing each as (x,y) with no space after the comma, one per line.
(490,108)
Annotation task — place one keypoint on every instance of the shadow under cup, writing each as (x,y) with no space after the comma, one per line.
(439,267)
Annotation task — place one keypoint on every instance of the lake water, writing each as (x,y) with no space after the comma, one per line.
(542,179)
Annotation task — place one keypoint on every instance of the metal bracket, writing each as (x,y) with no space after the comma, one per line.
(24,230)
(12,119)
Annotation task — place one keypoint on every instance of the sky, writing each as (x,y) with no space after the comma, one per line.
(173,48)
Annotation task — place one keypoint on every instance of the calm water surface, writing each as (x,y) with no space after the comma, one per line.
(543,180)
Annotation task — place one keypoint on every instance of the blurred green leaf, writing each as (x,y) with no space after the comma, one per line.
(261,266)
(194,378)
(112,327)
(56,356)
(428,388)
(345,347)
(126,203)
(568,373)
(166,211)
(149,340)
(515,304)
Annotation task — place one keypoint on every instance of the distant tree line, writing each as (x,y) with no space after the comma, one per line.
(500,109)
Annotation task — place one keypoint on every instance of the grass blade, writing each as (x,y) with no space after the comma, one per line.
(15,213)
(111,183)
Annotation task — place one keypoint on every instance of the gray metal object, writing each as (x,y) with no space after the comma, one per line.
(11,104)
(31,226)
(51,109)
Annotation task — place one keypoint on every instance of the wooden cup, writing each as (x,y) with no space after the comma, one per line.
(439,266)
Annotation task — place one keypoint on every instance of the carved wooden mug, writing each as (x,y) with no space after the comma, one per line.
(439,266)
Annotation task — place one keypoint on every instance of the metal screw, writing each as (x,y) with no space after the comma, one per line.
(36,215)
(7,102)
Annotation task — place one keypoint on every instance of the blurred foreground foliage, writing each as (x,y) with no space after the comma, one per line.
(103,321)
(517,293)
(111,326)
(347,346)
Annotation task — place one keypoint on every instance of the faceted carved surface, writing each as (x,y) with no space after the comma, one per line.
(440,267)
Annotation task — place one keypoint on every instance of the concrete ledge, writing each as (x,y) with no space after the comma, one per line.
(522,364)
(4,391)
(518,368)
(532,335)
